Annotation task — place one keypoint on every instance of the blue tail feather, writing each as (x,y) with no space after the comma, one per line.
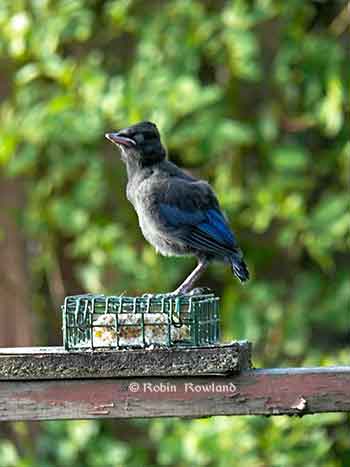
(239,268)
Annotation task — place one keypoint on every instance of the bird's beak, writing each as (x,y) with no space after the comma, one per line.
(117,139)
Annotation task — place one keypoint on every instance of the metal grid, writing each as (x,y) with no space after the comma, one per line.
(113,322)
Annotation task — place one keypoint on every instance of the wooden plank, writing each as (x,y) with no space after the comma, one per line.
(56,363)
(260,392)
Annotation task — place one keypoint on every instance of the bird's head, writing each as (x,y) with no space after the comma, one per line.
(139,143)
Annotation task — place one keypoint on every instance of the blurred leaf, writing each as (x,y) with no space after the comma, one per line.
(290,157)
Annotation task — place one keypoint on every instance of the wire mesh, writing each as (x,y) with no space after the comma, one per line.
(114,322)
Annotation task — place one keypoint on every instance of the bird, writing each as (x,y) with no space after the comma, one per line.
(179,214)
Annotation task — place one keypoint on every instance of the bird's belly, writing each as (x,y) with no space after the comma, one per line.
(163,243)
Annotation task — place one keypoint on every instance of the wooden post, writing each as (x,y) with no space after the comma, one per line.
(47,384)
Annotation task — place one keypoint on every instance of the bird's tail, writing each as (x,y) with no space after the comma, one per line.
(239,268)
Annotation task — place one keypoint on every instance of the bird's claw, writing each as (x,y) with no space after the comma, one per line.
(176,293)
(200,291)
(160,295)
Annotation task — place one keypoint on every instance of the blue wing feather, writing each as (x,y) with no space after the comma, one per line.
(177,217)
(217,227)
(202,229)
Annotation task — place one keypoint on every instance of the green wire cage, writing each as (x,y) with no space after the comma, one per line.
(113,322)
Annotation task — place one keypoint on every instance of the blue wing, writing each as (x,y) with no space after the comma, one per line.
(205,230)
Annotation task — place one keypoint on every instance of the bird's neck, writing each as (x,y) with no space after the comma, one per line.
(132,167)
(137,171)
(136,175)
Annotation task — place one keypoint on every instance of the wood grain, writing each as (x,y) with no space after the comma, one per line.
(55,363)
(259,392)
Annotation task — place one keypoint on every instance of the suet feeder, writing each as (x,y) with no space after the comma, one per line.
(92,322)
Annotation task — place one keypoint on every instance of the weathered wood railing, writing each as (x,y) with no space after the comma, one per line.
(50,383)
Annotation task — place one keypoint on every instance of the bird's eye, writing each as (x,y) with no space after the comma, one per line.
(139,138)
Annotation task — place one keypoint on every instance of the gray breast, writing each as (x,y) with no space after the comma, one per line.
(157,235)
(152,227)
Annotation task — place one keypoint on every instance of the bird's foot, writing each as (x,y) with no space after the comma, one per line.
(195,291)
(200,291)
(159,295)
(179,291)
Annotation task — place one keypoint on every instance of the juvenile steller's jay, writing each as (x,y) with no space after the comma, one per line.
(178,214)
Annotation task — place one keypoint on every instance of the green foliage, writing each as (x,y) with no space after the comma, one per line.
(254,97)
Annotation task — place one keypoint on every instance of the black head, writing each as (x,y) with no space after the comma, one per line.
(141,142)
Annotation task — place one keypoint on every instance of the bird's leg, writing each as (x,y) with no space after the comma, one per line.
(192,278)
